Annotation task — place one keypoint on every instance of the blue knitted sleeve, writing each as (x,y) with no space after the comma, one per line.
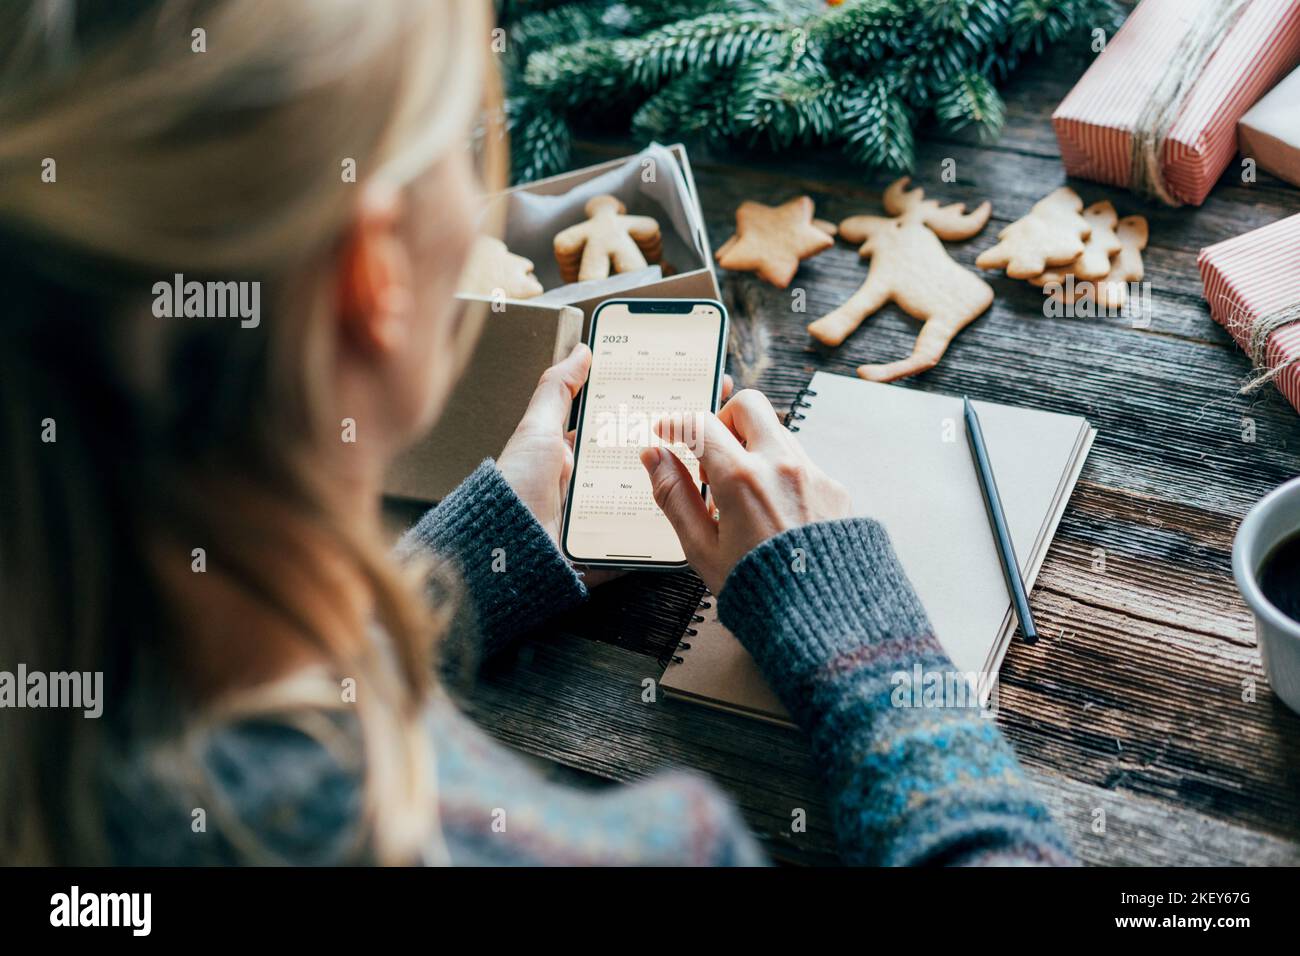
(513,575)
(912,778)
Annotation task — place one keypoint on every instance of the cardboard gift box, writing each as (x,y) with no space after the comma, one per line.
(656,182)
(516,346)
(522,337)
(1252,284)
(1157,111)
(1269,133)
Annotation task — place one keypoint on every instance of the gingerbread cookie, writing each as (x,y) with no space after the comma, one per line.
(585,251)
(1052,234)
(772,240)
(910,266)
(493,267)
(1111,291)
(1102,244)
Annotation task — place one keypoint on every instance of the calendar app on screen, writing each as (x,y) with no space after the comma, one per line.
(645,365)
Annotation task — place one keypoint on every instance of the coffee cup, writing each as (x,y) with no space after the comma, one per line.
(1274,519)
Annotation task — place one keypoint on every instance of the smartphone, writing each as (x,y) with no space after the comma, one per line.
(649,358)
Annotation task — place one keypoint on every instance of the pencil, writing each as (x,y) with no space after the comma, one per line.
(998,521)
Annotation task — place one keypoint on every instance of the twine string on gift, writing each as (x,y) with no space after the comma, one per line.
(1257,344)
(1212,21)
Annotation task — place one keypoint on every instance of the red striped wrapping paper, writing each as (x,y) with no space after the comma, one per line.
(1094,123)
(1257,274)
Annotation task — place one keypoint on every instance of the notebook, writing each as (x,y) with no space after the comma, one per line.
(903,455)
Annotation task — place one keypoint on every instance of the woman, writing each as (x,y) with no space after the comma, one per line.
(190,503)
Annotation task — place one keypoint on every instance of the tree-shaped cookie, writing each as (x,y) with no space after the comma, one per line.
(910,266)
(1102,243)
(493,269)
(1110,291)
(772,240)
(1051,234)
(585,251)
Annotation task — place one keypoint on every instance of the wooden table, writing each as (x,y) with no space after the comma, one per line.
(1130,711)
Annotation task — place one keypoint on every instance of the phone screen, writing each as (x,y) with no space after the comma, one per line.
(649,359)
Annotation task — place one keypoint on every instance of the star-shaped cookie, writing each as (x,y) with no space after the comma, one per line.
(772,240)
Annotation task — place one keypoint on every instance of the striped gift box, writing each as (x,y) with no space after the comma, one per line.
(1258,274)
(1094,123)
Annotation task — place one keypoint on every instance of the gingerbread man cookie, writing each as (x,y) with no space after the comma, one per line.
(585,251)
(910,266)
(493,269)
(1051,234)
(772,240)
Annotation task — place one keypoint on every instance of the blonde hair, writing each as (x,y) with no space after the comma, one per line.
(128,155)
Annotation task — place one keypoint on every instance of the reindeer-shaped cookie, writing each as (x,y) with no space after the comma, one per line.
(910,266)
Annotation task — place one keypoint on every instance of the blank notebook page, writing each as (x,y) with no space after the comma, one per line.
(903,455)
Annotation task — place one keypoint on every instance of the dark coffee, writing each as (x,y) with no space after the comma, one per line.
(1279,577)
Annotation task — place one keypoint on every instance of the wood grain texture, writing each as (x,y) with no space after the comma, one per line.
(1139,700)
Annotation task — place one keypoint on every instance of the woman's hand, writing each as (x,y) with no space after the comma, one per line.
(758,475)
(538,459)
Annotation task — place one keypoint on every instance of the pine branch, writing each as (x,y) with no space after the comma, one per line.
(864,32)
(773,72)
(509,11)
(784,98)
(687,106)
(1037,24)
(875,124)
(713,41)
(540,144)
(653,14)
(572,22)
(579,74)
(973,100)
(951,15)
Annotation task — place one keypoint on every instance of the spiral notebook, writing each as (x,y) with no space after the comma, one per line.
(902,454)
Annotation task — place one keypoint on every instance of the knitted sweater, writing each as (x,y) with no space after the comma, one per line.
(905,784)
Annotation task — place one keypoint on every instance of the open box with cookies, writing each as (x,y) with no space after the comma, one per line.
(630,228)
